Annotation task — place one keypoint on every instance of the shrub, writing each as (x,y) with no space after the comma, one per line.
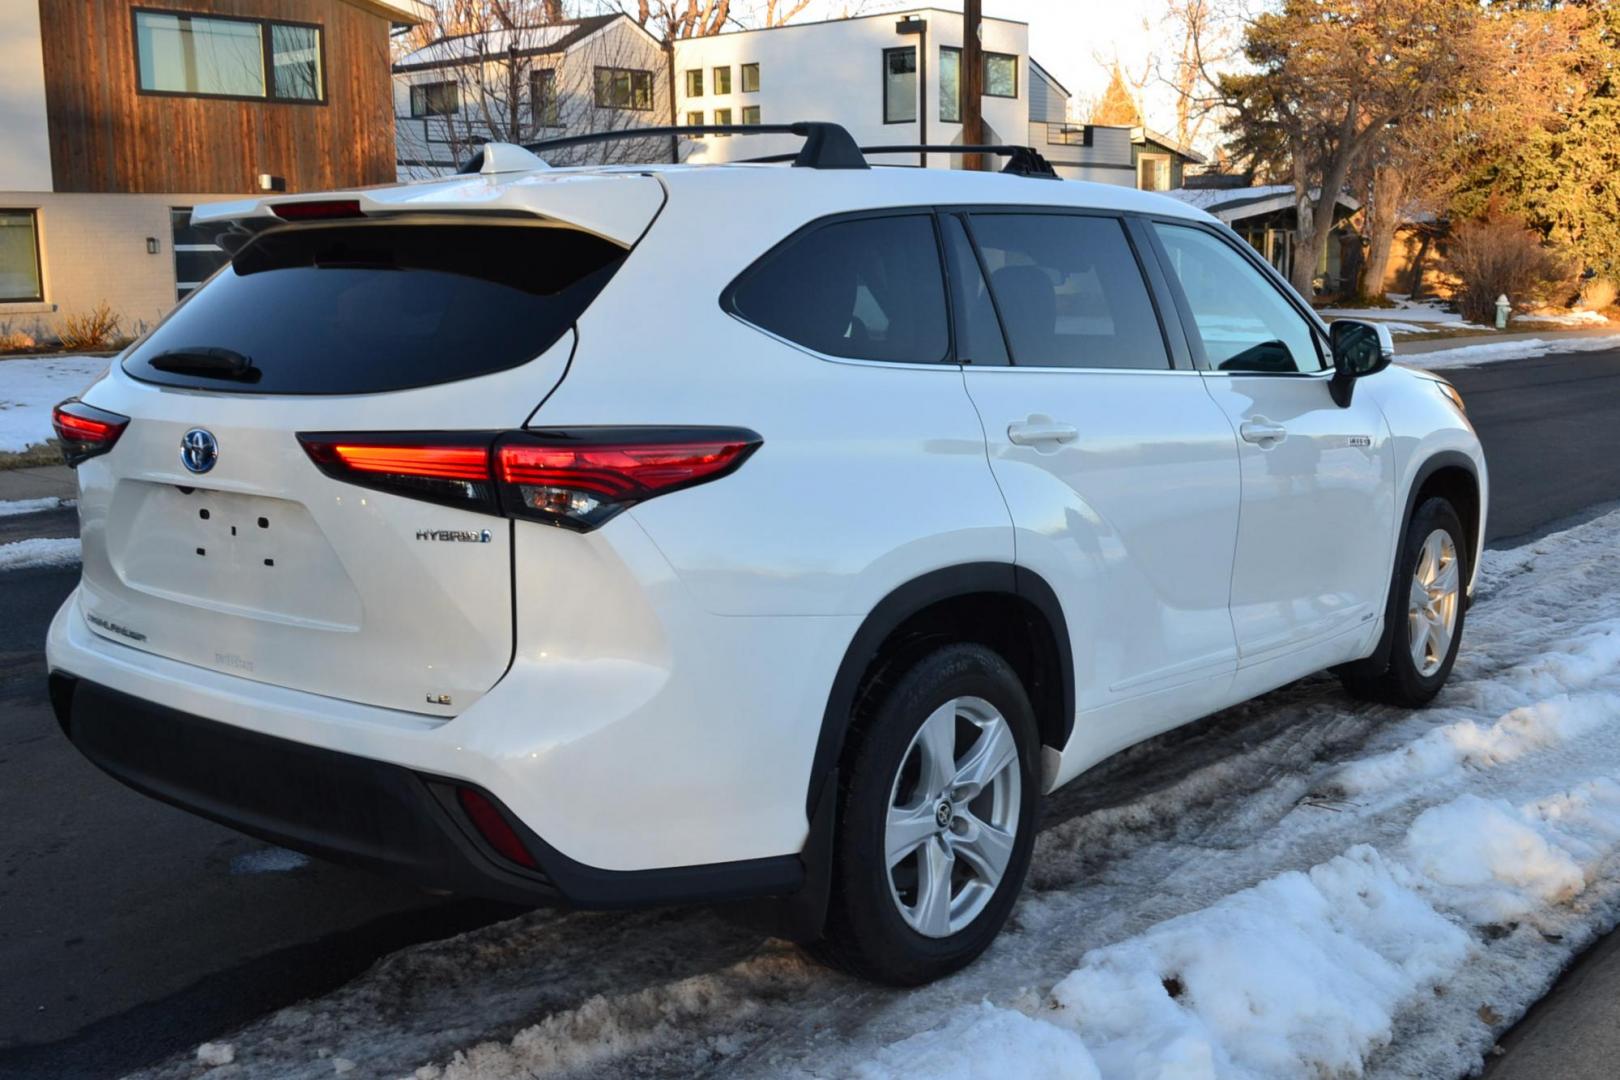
(1599,293)
(92,331)
(1498,256)
(13,339)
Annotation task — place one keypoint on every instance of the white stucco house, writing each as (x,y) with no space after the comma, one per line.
(890,79)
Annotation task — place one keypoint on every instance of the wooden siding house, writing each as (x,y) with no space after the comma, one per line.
(118,116)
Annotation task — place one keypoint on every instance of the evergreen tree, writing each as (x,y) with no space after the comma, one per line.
(1117,107)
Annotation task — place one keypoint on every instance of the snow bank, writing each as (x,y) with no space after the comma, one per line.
(1497,351)
(39,551)
(28,389)
(1406,311)
(13,507)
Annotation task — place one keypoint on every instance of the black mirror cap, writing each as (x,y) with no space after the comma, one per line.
(1359,349)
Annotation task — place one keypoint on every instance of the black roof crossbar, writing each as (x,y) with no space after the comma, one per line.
(826,145)
(1021,160)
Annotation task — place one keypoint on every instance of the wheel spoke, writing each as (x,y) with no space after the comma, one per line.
(1429,565)
(985,848)
(937,744)
(933,909)
(907,827)
(993,752)
(1417,633)
(1445,582)
(1418,599)
(1439,641)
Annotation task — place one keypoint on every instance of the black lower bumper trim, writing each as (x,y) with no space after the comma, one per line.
(359,810)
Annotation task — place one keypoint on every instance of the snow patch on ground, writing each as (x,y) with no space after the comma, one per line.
(268,861)
(1406,311)
(39,551)
(1582,317)
(1496,351)
(28,389)
(1301,885)
(213,1054)
(14,507)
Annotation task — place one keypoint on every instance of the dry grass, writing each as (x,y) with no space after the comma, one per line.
(91,331)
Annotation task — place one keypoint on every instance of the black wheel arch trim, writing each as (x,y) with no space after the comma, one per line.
(947,583)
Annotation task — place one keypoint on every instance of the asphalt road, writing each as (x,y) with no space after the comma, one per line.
(129,930)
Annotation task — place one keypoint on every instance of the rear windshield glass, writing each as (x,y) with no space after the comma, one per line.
(365,308)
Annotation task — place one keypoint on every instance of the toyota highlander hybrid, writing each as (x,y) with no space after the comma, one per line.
(662,534)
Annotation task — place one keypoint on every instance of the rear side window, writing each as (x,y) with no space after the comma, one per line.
(865,289)
(1069,291)
(355,309)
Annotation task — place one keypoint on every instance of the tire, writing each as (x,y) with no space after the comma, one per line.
(886,921)
(1401,678)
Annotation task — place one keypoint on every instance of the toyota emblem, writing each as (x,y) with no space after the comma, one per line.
(199,450)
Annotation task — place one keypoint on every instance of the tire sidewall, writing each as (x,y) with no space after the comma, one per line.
(896,952)
(1432,514)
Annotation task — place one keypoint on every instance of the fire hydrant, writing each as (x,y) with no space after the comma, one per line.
(1503,309)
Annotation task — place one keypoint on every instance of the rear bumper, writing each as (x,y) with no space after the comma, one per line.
(355,809)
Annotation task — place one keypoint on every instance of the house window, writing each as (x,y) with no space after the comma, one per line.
(1153,172)
(196,256)
(624,88)
(435,99)
(750,78)
(722,116)
(1000,75)
(750,114)
(1000,80)
(899,85)
(722,80)
(543,96)
(694,82)
(214,57)
(19,257)
(694,119)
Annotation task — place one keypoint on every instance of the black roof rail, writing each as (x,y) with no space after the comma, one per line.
(826,145)
(1021,160)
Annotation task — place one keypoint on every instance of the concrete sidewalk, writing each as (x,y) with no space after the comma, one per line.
(39,482)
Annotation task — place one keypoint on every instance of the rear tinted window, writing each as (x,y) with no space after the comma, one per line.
(867,289)
(1069,291)
(366,308)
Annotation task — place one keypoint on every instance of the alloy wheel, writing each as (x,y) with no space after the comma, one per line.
(1432,608)
(953,816)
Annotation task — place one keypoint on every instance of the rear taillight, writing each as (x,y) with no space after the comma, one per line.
(84,430)
(577,478)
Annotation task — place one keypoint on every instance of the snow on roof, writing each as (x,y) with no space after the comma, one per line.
(1236,204)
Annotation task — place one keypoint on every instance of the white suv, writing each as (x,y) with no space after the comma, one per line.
(665,535)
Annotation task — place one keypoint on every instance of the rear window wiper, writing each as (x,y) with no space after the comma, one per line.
(208,361)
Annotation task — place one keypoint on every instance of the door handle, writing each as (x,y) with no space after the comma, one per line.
(1039,430)
(1262,432)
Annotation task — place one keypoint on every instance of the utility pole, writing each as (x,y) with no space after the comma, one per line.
(971,80)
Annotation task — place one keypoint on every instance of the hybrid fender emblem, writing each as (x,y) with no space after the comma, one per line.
(198,450)
(454,536)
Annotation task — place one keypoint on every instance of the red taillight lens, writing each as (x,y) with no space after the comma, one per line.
(450,468)
(494,828)
(574,477)
(322,210)
(581,477)
(84,430)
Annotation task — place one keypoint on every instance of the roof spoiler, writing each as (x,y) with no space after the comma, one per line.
(826,145)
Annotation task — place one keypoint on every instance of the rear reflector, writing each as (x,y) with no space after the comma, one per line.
(84,430)
(493,827)
(322,210)
(577,478)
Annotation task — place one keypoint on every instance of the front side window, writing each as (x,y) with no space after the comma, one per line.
(750,78)
(543,96)
(1069,291)
(435,99)
(624,88)
(215,57)
(694,82)
(722,80)
(1243,320)
(19,257)
(899,85)
(867,289)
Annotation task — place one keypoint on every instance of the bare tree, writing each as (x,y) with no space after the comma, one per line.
(673,20)
(1204,39)
(519,71)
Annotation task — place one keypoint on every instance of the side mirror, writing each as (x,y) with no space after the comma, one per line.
(1359,349)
